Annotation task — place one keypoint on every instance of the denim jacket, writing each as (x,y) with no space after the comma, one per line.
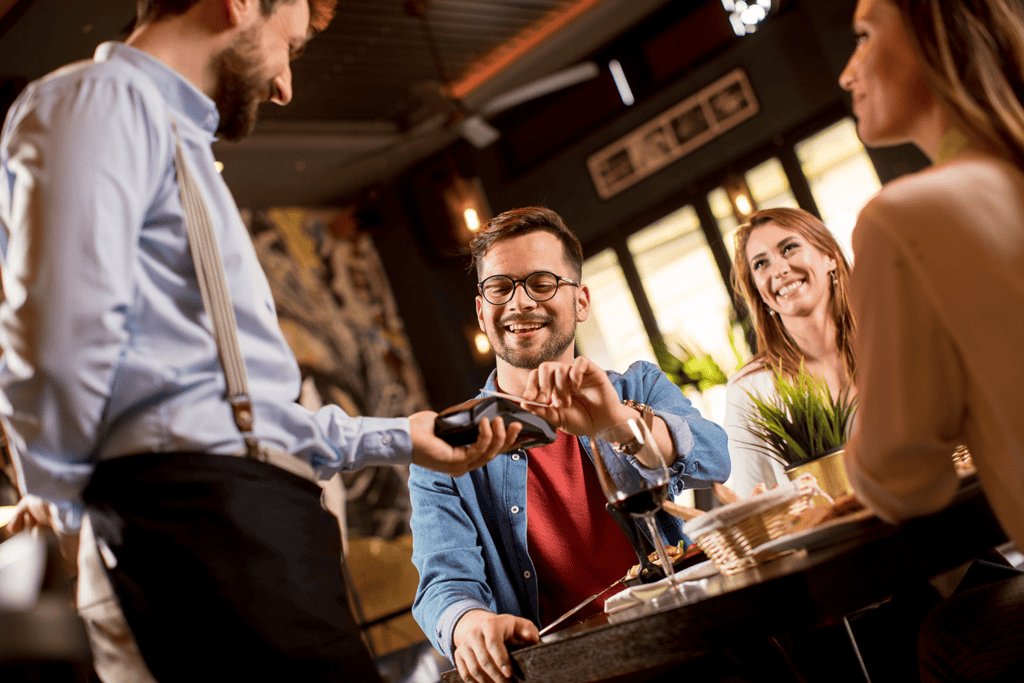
(469,532)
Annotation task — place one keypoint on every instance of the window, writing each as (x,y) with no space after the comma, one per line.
(684,285)
(613,336)
(841,177)
(769,188)
(688,295)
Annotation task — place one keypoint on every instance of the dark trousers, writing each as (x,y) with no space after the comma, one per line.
(227,569)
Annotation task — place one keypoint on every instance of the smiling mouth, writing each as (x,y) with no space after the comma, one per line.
(790,289)
(522,328)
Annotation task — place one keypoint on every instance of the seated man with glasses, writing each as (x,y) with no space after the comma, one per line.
(487,578)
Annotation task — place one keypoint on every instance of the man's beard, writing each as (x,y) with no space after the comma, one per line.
(528,359)
(241,87)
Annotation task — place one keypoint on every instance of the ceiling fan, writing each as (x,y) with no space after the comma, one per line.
(471,124)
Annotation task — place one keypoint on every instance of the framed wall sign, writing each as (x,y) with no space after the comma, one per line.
(674,133)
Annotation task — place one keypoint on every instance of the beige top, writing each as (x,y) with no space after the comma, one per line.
(750,466)
(938,292)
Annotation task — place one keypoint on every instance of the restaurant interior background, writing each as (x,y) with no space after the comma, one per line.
(362,192)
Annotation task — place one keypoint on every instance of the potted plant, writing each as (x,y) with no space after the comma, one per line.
(804,427)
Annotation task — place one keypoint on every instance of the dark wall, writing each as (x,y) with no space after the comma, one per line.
(793,64)
(435,297)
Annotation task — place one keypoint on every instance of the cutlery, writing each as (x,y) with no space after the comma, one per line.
(580,606)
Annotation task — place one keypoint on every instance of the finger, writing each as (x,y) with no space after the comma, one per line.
(532,385)
(485,431)
(562,386)
(17,522)
(39,510)
(511,437)
(502,439)
(491,436)
(496,662)
(544,371)
(497,437)
(469,669)
(477,666)
(580,367)
(526,632)
(550,386)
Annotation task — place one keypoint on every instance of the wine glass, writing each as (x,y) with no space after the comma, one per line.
(630,486)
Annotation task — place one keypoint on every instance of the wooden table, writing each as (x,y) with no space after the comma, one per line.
(796,591)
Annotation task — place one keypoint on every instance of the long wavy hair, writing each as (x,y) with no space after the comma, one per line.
(972,52)
(775,346)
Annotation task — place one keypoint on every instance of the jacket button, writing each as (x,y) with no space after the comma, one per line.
(515,509)
(515,456)
(526,574)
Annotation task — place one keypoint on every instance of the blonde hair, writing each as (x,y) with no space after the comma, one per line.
(973,57)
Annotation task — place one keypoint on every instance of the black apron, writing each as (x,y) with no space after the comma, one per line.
(227,569)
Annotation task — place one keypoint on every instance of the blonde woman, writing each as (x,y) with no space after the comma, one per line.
(939,293)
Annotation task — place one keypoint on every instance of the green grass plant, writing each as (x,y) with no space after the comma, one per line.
(802,420)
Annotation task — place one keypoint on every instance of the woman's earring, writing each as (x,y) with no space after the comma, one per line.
(835,278)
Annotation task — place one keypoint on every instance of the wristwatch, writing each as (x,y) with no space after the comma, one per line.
(633,446)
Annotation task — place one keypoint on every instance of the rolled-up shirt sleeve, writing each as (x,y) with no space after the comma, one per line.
(910,384)
(702,454)
(77,163)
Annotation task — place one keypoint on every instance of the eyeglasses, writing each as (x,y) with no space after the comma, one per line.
(540,286)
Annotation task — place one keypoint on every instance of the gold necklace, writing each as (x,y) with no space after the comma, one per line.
(953,142)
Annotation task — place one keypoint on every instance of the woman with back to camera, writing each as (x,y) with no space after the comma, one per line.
(795,280)
(939,293)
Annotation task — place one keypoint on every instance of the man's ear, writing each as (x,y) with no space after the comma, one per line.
(480,313)
(582,304)
(241,12)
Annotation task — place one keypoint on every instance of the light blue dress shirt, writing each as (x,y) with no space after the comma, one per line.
(107,350)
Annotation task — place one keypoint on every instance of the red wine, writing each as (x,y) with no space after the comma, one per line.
(644,501)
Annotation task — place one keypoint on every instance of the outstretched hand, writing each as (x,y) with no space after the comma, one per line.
(480,639)
(431,452)
(581,397)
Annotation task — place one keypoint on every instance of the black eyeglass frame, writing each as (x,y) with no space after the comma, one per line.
(515,283)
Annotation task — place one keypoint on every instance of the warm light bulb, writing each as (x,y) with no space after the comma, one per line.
(482,344)
(743,204)
(752,16)
(472,219)
(219,165)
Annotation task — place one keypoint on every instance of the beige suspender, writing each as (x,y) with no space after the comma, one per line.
(216,299)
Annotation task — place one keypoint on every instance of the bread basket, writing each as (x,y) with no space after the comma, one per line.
(729,534)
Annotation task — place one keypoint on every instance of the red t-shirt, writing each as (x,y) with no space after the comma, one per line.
(576,546)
